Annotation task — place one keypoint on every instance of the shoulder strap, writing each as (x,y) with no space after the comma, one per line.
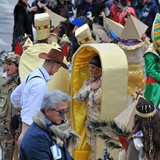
(27,80)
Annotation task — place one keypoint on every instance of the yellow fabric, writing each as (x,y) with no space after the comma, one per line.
(136,77)
(30,61)
(114,84)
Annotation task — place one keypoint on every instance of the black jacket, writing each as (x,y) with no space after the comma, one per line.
(22,22)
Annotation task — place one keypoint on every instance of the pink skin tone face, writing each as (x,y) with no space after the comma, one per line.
(94,71)
(54,116)
(10,68)
(55,68)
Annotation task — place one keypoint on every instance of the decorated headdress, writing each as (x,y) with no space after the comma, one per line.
(133,30)
(156,32)
(28,42)
(65,39)
(42,25)
(10,56)
(145,108)
(83,35)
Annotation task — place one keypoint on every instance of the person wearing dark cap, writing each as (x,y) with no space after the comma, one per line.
(29,94)
(91,92)
(143,142)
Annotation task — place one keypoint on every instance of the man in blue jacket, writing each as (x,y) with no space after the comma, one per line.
(148,14)
(49,136)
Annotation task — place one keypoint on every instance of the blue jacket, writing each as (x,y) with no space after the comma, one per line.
(148,15)
(36,145)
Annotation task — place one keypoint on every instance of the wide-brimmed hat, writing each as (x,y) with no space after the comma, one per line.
(54,54)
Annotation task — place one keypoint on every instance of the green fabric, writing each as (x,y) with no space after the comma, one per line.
(152,65)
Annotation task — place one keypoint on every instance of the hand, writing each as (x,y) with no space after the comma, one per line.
(20,139)
(143,37)
(89,82)
(33,9)
(40,4)
(96,85)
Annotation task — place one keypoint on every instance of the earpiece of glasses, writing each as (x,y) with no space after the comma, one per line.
(61,112)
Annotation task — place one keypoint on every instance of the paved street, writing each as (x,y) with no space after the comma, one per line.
(6,23)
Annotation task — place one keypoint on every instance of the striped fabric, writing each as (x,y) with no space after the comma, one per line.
(156,31)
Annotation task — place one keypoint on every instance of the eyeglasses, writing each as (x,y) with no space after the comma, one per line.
(9,63)
(61,112)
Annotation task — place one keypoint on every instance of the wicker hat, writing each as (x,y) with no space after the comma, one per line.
(42,25)
(83,35)
(54,54)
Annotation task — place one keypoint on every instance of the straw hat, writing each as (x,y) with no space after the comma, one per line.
(83,35)
(133,29)
(54,54)
(42,25)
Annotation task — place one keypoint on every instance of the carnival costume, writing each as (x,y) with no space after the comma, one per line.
(134,49)
(152,65)
(7,110)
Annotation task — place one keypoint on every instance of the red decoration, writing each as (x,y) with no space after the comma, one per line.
(123,141)
(18,49)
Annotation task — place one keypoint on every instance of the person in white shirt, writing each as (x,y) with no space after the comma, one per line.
(29,94)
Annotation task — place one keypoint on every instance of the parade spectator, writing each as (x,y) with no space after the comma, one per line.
(8,82)
(29,94)
(49,136)
(61,7)
(89,9)
(91,92)
(138,6)
(115,10)
(143,143)
(23,16)
(148,14)
(152,66)
(125,11)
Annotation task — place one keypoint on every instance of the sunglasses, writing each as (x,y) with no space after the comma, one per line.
(9,63)
(61,112)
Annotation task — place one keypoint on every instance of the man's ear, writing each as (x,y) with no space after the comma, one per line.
(47,111)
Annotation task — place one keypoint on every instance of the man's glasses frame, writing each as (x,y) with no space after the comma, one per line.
(61,112)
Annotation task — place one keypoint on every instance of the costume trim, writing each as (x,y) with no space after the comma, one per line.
(137,67)
(43,27)
(146,115)
(125,47)
(152,49)
(85,40)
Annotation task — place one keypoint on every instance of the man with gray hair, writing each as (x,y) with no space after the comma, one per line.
(49,135)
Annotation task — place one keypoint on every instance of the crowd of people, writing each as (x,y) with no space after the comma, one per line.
(31,115)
